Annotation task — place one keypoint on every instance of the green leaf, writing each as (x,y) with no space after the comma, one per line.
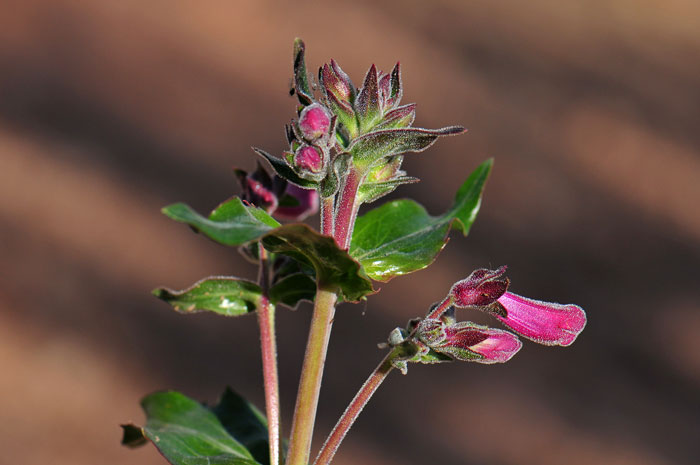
(301,79)
(244,422)
(336,270)
(231,223)
(368,149)
(401,237)
(292,289)
(371,191)
(223,295)
(186,432)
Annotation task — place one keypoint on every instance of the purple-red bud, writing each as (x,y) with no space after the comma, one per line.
(493,345)
(543,322)
(314,122)
(482,287)
(308,158)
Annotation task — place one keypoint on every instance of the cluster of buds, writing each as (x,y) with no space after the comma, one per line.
(344,129)
(311,139)
(440,337)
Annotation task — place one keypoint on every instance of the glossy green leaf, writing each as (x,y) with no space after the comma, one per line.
(336,270)
(400,237)
(186,432)
(223,295)
(231,223)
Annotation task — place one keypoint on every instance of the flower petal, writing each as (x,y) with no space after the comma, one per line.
(543,322)
(464,340)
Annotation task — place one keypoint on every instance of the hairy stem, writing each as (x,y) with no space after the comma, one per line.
(440,309)
(268,345)
(353,411)
(327,216)
(311,375)
(347,208)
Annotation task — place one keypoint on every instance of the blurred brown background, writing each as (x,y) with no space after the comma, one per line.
(110,110)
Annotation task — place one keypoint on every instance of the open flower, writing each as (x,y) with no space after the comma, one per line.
(543,322)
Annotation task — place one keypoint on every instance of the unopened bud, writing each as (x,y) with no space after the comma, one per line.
(308,158)
(314,122)
(482,287)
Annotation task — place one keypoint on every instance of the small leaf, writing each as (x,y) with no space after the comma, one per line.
(301,78)
(285,171)
(400,237)
(369,148)
(292,289)
(401,117)
(231,223)
(371,191)
(336,270)
(223,295)
(187,433)
(367,104)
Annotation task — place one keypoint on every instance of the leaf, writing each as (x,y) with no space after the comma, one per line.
(186,432)
(223,295)
(336,270)
(231,223)
(285,171)
(292,289)
(369,148)
(244,422)
(371,191)
(301,78)
(400,237)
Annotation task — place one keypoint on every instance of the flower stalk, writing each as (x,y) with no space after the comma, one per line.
(354,409)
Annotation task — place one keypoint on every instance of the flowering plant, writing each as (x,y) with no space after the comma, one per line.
(346,147)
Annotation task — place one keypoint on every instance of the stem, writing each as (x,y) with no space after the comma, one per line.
(353,411)
(327,216)
(266,321)
(311,374)
(440,309)
(347,208)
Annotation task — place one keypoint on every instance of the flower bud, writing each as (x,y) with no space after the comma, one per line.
(314,122)
(543,322)
(308,158)
(464,340)
(482,287)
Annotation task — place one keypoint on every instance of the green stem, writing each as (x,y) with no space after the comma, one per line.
(356,406)
(311,375)
(268,345)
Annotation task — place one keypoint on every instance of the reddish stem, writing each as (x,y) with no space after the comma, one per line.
(348,206)
(353,411)
(327,216)
(268,346)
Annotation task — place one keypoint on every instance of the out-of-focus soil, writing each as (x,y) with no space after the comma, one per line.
(110,110)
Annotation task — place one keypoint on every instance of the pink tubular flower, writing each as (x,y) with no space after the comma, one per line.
(468,341)
(493,345)
(543,322)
